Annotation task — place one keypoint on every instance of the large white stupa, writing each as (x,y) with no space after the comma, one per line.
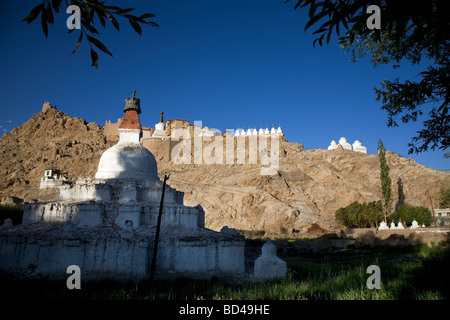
(128,159)
(106,225)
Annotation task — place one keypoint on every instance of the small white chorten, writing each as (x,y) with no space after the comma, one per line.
(343,142)
(383,226)
(160,130)
(414,224)
(358,147)
(279,131)
(268,265)
(333,145)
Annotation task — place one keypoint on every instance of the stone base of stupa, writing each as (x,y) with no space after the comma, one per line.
(47,249)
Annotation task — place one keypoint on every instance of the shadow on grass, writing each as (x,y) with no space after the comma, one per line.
(407,273)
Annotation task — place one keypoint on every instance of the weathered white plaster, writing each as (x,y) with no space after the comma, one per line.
(127,161)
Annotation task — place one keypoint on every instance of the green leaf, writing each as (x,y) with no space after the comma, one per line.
(98,44)
(112,7)
(315,19)
(113,20)
(122,11)
(50,14)
(147,15)
(136,26)
(94,58)
(33,13)
(88,26)
(78,43)
(101,13)
(44,21)
(56,4)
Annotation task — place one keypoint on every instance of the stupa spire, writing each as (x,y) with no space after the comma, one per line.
(133,103)
(131,119)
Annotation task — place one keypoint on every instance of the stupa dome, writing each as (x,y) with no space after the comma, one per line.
(127,161)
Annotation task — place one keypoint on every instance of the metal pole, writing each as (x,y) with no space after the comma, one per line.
(158,227)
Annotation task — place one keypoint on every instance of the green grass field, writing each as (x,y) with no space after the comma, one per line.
(407,273)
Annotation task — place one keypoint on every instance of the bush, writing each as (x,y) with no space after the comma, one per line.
(11,211)
(408,213)
(360,215)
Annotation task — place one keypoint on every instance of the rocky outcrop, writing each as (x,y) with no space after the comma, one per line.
(50,138)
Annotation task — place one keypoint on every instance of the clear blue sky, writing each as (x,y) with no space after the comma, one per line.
(227,63)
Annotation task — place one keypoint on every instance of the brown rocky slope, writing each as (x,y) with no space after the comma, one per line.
(309,187)
(49,139)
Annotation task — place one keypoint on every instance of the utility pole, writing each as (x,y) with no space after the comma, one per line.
(158,227)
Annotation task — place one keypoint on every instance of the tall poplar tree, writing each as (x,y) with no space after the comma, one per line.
(385,180)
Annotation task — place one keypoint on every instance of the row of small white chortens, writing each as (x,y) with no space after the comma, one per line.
(357,146)
(261,131)
(384,226)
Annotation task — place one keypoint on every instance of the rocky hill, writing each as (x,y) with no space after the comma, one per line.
(49,139)
(309,187)
(302,198)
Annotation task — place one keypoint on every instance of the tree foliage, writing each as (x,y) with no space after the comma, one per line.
(90,11)
(385,179)
(411,30)
(360,215)
(407,214)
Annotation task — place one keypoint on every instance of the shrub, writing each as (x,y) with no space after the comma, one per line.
(360,215)
(408,213)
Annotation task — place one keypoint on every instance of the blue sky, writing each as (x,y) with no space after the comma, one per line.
(228,63)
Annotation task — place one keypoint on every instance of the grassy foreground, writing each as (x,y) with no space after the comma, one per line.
(407,273)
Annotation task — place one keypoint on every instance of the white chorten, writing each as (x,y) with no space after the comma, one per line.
(268,265)
(333,145)
(358,147)
(160,128)
(383,226)
(279,131)
(345,145)
(128,159)
(261,131)
(414,224)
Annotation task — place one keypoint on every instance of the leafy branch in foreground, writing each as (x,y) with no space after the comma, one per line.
(411,30)
(89,10)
